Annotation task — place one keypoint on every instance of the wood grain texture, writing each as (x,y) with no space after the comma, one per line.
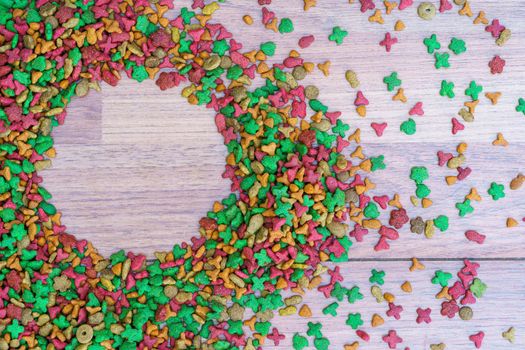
(136,167)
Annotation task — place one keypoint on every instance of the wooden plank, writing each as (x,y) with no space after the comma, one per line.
(494,313)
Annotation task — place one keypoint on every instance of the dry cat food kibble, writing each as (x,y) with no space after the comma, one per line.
(301,188)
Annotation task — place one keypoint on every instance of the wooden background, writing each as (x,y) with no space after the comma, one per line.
(137,168)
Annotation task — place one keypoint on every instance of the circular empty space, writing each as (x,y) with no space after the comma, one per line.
(136,168)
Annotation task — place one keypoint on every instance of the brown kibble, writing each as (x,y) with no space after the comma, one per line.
(417,225)
(429,228)
(416,265)
(439,346)
(84,334)
(503,37)
(466,115)
(511,222)
(377,320)
(426,11)
(311,92)
(406,287)
(517,182)
(466,313)
(305,311)
(377,293)
(352,79)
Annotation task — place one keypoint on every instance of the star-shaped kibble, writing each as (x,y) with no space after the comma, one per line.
(432,44)
(496,191)
(392,81)
(457,46)
(464,208)
(441,278)
(473,90)
(354,320)
(388,41)
(442,60)
(338,35)
(447,89)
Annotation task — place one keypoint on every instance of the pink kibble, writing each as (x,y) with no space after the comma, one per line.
(474,236)
(379,128)
(306,41)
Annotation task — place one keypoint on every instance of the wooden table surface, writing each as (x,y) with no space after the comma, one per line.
(136,167)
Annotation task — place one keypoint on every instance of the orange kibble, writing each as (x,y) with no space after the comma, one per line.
(511,222)
(309,3)
(426,202)
(493,97)
(309,66)
(361,111)
(451,180)
(406,287)
(325,67)
(399,26)
(376,17)
(353,346)
(400,96)
(462,148)
(395,202)
(389,6)
(466,10)
(481,18)
(356,136)
(247,19)
(500,141)
(471,105)
(377,320)
(473,195)
(416,265)
(305,311)
(443,294)
(389,297)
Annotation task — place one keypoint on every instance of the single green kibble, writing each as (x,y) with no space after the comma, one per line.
(457,46)
(432,44)
(392,81)
(419,174)
(408,126)
(447,89)
(354,320)
(268,48)
(286,26)
(441,278)
(496,191)
(338,35)
(299,342)
(441,222)
(371,211)
(442,60)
